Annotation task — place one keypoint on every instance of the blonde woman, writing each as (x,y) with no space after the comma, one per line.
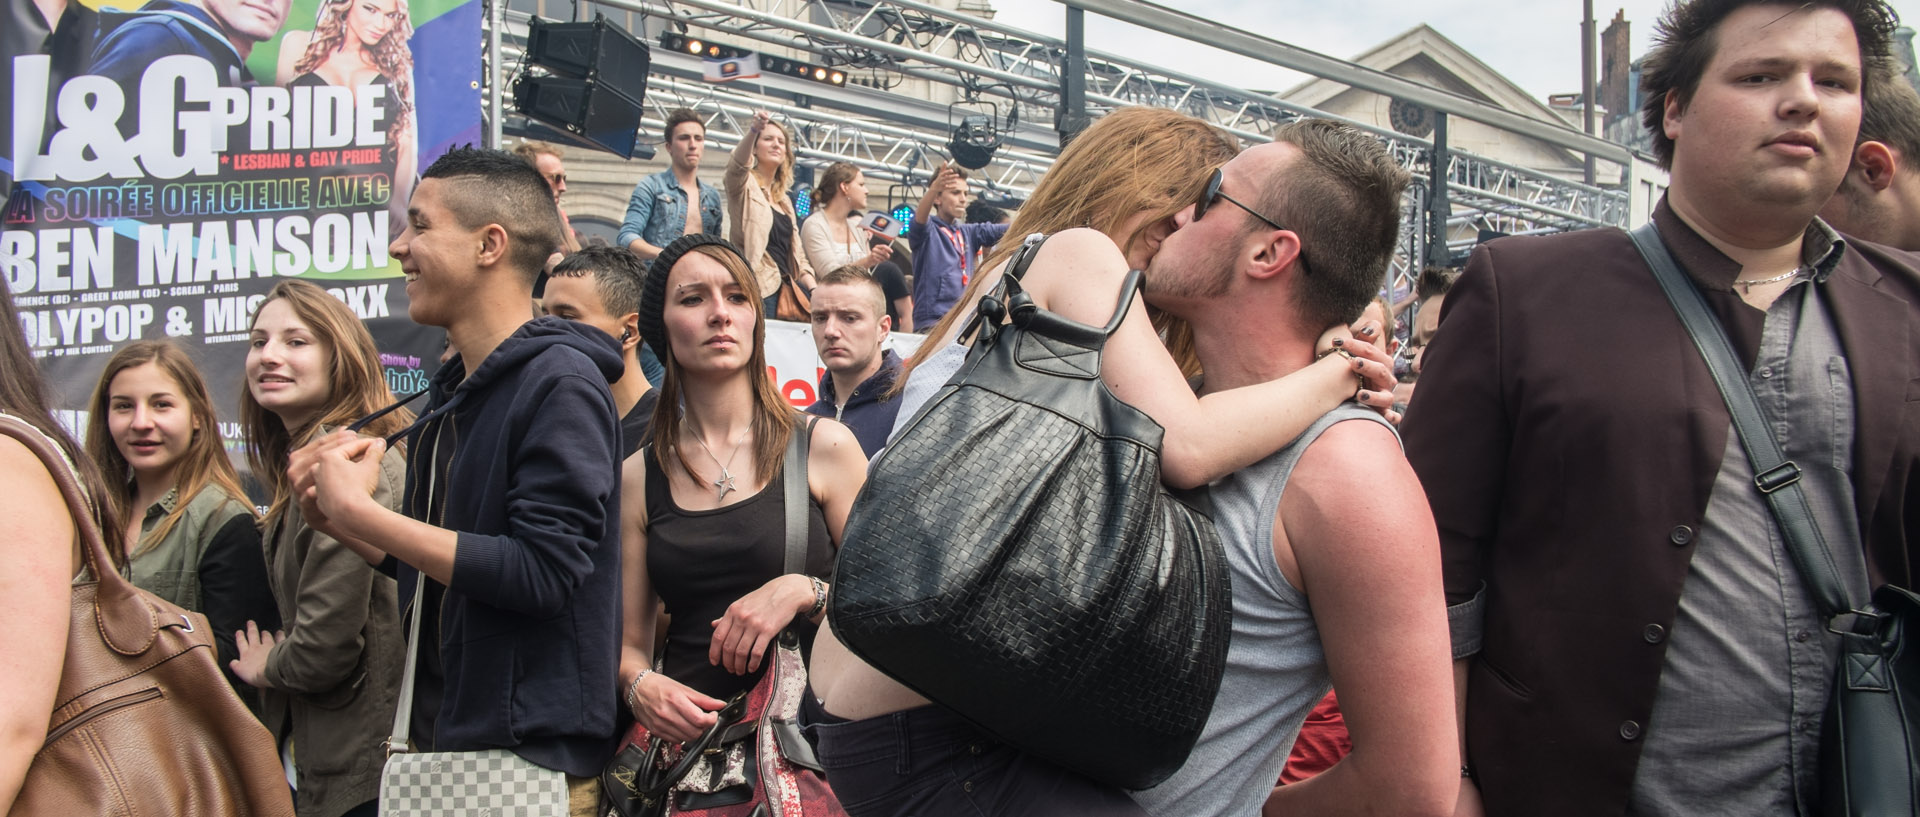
(360,44)
(764,226)
(35,582)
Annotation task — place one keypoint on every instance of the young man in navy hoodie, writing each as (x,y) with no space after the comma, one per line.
(512,485)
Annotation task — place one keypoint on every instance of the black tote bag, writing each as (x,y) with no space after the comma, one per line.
(1015,558)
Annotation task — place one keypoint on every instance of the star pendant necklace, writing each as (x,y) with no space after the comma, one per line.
(725,482)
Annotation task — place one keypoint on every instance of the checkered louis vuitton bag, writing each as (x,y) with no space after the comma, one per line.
(493,783)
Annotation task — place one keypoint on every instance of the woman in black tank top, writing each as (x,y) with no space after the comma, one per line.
(703,515)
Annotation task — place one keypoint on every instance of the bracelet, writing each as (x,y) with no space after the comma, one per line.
(633,689)
(819,597)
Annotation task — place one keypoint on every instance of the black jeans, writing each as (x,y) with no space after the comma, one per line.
(928,762)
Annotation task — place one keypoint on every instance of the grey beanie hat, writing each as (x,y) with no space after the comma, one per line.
(653,294)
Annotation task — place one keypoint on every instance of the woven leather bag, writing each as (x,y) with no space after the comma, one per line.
(143,722)
(1015,558)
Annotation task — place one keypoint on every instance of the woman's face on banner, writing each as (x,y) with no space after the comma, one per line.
(372,20)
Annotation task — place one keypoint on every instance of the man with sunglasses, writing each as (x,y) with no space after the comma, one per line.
(546,158)
(1285,240)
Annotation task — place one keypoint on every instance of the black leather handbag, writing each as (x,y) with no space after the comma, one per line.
(1870,749)
(1015,558)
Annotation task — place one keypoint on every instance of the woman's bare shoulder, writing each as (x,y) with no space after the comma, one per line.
(1077,275)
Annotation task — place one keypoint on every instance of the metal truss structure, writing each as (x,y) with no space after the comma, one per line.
(884,45)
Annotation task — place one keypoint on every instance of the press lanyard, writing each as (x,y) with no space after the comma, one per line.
(959,248)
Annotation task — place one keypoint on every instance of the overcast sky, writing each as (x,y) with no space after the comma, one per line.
(1534,43)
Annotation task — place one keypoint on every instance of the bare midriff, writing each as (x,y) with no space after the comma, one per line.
(848,687)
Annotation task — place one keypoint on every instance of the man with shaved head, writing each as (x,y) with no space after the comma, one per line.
(512,558)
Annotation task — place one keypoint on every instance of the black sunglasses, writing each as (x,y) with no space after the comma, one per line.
(1213,191)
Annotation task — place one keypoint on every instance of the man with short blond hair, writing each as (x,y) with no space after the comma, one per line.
(850,328)
(546,157)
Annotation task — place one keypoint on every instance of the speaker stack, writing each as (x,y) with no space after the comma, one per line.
(593,81)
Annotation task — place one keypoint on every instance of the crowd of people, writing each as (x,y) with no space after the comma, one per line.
(1565,594)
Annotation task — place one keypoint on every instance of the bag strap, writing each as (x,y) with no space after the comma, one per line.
(1009,298)
(94,548)
(128,625)
(403,713)
(1777,477)
(795,485)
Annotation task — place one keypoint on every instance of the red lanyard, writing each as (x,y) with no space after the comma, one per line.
(959,248)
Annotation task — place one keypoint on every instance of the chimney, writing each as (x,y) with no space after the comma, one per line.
(1616,59)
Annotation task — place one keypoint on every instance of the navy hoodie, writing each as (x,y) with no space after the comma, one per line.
(522,460)
(869,411)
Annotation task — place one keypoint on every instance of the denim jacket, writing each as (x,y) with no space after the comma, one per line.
(658,210)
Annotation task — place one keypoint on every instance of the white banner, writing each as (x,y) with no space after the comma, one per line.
(795,365)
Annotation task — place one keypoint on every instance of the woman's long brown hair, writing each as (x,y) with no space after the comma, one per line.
(203,465)
(359,389)
(772,414)
(24,395)
(1134,160)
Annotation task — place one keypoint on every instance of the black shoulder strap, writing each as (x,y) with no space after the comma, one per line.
(794,479)
(1777,477)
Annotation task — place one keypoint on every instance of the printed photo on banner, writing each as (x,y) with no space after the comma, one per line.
(165,161)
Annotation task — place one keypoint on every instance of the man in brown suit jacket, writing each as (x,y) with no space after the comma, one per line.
(1632,636)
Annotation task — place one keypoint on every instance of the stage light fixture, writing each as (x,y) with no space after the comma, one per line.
(974,142)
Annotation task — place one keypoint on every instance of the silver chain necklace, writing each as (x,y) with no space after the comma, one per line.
(725,482)
(1746,287)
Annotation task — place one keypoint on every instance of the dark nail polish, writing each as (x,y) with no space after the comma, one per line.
(1339,341)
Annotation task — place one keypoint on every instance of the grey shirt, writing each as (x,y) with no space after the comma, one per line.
(1736,722)
(1276,670)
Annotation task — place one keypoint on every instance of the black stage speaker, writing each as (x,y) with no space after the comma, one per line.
(598,50)
(581,107)
(599,81)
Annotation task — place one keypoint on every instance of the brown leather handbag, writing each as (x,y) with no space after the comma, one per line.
(794,304)
(143,722)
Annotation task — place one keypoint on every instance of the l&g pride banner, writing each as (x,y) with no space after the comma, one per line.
(165,162)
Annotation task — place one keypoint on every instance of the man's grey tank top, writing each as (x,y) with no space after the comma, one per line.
(1276,671)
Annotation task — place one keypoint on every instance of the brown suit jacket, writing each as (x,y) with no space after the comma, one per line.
(1568,433)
